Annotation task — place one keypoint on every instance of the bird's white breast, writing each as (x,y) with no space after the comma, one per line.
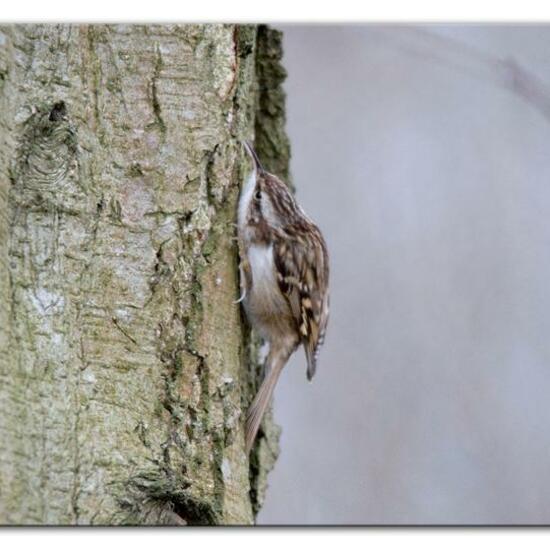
(264,303)
(246,197)
(262,266)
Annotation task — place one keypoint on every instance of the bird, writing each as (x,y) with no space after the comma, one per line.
(284,269)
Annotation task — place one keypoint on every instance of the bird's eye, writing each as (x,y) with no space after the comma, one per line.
(258,195)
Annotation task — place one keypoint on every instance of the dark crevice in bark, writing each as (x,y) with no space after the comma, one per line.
(271,141)
(154,91)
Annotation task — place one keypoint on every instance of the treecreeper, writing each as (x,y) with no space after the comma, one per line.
(284,270)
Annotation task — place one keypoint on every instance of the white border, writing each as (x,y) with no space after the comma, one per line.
(274,539)
(280,11)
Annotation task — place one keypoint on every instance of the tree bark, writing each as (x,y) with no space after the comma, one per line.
(125,366)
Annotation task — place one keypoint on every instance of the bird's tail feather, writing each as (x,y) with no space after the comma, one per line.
(311,357)
(260,403)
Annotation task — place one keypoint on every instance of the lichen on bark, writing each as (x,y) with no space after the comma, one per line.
(125,365)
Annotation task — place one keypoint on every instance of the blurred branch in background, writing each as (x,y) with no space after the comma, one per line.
(504,72)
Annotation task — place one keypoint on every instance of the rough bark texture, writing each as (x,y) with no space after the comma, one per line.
(125,367)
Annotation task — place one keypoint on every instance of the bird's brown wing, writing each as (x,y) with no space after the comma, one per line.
(301,261)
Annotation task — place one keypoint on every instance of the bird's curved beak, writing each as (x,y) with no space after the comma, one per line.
(254,157)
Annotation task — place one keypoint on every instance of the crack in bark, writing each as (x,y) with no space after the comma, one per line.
(157,68)
(123,331)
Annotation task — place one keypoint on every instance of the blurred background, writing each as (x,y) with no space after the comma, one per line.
(423,154)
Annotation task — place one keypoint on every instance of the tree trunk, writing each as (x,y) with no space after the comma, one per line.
(125,366)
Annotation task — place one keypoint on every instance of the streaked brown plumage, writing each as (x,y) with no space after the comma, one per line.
(285,273)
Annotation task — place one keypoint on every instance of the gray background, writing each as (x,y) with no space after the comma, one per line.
(423,154)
